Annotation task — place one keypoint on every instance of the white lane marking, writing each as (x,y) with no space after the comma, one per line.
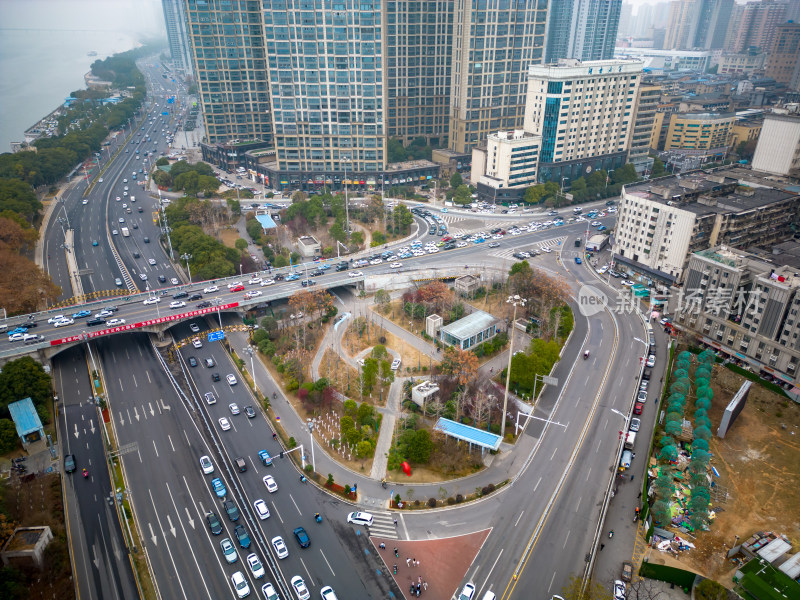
(327,563)
(295,505)
(155,448)
(518,519)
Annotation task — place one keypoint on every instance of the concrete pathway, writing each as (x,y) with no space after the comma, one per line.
(384,443)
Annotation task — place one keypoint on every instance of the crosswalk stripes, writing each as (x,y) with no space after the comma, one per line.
(383,526)
(507,253)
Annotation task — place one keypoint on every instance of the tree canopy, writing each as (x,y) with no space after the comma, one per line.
(25,378)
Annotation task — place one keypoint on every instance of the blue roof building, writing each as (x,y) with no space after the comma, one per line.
(26,420)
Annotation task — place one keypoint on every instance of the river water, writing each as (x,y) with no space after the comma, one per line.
(44,46)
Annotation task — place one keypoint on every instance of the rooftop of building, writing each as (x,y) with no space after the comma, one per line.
(308,239)
(706,116)
(704,188)
(451,153)
(469,325)
(781,117)
(786,254)
(749,177)
(516,134)
(409,165)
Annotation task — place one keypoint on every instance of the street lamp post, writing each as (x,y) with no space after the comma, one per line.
(345,160)
(187,257)
(514,300)
(310,424)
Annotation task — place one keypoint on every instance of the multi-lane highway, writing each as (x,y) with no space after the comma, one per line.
(542,526)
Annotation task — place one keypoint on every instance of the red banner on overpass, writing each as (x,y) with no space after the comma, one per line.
(130,326)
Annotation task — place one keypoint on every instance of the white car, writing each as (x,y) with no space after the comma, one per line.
(152,261)
(56,319)
(627,282)
(177,304)
(253,294)
(240,585)
(85,202)
(234,284)
(210,289)
(266,282)
(255,565)
(545,249)
(174,281)
(620,590)
(228,550)
(103,314)
(261,509)
(602,269)
(396,265)
(269,481)
(152,300)
(234,408)
(224,423)
(280,547)
(114,232)
(63,322)
(254,281)
(651,360)
(356,274)
(143,276)
(17,337)
(206,465)
(231,379)
(360,518)
(467,592)
(327,592)
(100,180)
(269,592)
(118,198)
(197,343)
(115,322)
(300,588)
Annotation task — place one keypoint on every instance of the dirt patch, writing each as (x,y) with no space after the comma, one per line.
(759,465)
(34,504)
(229,237)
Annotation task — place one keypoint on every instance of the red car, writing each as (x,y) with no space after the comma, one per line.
(238,288)
(637,408)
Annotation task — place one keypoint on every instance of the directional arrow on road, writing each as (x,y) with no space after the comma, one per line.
(171,527)
(94,560)
(165,406)
(152,535)
(136,413)
(152,412)
(91,425)
(189,517)
(76,434)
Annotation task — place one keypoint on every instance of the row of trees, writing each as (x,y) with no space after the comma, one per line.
(418,149)
(22,378)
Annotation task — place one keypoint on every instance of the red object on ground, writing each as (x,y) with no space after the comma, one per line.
(406,469)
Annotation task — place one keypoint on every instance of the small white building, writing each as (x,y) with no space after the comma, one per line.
(433,323)
(423,393)
(308,246)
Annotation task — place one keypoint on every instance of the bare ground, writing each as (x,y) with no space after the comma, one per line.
(759,464)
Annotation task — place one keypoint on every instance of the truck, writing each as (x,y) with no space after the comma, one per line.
(343,266)
(125,232)
(630,440)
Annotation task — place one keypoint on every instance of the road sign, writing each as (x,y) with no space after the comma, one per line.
(215,336)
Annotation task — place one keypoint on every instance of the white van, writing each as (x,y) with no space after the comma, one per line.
(625,461)
(360,518)
(489,596)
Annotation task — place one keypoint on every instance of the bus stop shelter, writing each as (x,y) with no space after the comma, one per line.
(466,433)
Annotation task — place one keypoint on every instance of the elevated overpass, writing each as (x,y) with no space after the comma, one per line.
(158,317)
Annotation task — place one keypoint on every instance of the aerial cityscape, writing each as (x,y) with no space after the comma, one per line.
(432,273)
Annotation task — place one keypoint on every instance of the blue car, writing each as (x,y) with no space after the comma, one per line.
(479,241)
(81,314)
(293,277)
(18,330)
(578,260)
(94,242)
(324,267)
(602,228)
(265,457)
(219,487)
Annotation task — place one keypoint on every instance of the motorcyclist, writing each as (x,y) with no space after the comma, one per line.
(316,516)
(85,473)
(586,355)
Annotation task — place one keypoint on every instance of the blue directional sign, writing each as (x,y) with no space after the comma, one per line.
(215,336)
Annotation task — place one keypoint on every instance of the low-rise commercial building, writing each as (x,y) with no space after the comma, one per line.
(308,246)
(469,331)
(702,135)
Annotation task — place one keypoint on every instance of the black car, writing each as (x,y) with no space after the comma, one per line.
(302,537)
(111,308)
(279,277)
(317,273)
(205,304)
(230,508)
(192,361)
(179,295)
(135,226)
(135,254)
(195,297)
(213,523)
(215,377)
(96,321)
(250,412)
(308,282)
(162,279)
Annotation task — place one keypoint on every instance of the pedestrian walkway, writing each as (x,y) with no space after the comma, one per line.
(384,443)
(507,253)
(383,526)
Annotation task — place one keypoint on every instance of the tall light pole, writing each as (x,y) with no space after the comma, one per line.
(345,160)
(187,257)
(310,424)
(516,301)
